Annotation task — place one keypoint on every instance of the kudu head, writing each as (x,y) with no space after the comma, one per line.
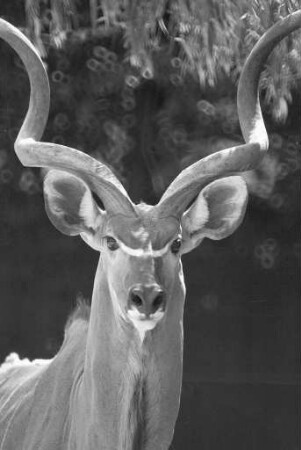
(141,245)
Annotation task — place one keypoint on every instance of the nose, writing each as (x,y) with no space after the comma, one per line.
(147,299)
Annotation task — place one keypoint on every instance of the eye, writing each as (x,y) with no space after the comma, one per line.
(112,244)
(176,245)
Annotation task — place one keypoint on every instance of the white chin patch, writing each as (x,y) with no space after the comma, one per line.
(144,323)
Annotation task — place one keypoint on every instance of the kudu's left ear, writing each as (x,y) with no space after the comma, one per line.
(70,206)
(216,213)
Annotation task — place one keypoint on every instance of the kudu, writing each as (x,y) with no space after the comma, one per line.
(115,383)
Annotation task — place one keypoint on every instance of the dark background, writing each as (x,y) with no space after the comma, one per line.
(242,316)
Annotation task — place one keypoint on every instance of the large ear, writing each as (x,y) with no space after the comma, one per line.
(216,213)
(70,206)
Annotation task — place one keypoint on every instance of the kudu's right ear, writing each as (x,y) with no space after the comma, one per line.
(71,208)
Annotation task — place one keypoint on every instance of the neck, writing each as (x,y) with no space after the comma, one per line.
(129,395)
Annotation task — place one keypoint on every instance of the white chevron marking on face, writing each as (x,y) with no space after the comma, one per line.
(148,251)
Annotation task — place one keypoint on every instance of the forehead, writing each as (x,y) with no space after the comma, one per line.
(144,229)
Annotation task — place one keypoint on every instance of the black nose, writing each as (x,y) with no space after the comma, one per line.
(147,299)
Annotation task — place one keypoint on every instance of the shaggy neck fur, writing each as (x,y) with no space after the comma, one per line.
(128,397)
(135,402)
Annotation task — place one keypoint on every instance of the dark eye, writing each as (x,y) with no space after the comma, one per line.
(176,245)
(112,244)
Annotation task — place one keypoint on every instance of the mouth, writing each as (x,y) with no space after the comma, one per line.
(144,322)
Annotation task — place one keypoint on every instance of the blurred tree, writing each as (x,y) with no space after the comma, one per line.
(149,86)
(209,38)
(55,17)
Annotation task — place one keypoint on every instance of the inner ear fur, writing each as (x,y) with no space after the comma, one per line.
(217,211)
(70,205)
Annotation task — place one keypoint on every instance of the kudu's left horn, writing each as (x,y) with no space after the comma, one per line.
(190,181)
(34,153)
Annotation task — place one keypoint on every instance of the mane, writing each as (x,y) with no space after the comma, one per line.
(80,312)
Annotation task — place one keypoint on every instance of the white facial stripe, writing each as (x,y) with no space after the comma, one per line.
(144,252)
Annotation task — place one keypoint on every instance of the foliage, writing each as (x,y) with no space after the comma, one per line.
(283,69)
(210,39)
(149,87)
(56,20)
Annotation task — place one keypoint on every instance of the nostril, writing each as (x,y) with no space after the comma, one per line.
(136,300)
(158,301)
